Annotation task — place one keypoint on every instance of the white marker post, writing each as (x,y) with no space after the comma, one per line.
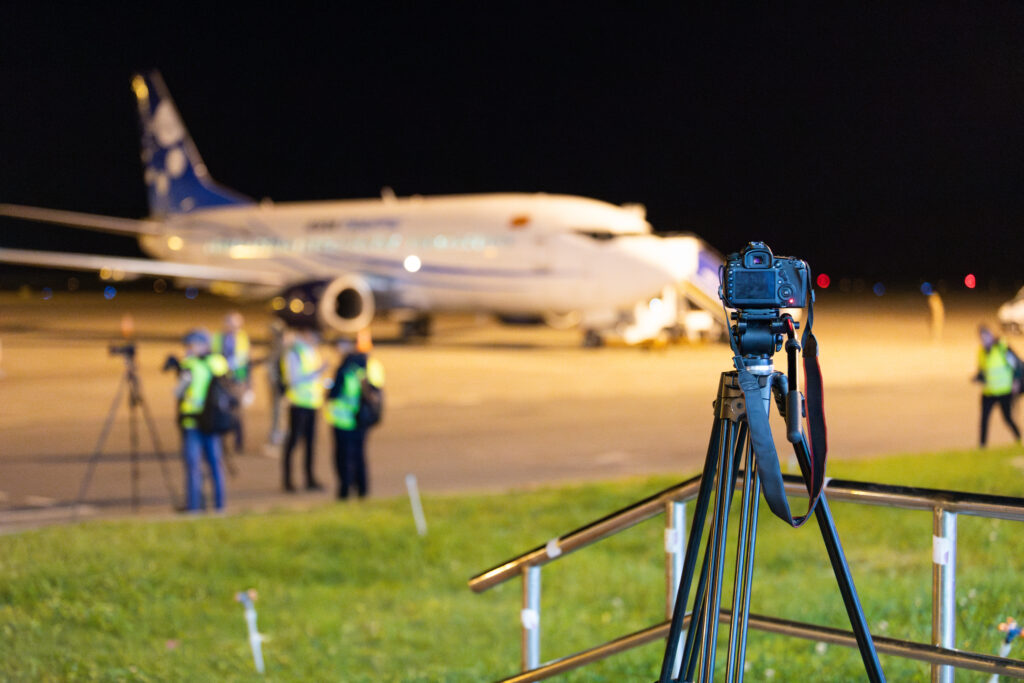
(417,506)
(255,639)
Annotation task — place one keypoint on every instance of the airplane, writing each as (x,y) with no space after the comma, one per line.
(568,260)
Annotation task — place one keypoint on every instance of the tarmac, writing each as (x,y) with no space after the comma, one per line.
(479,407)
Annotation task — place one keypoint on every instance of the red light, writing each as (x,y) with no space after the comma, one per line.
(824,281)
(970,281)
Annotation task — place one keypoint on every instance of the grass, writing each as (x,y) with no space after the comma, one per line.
(352,593)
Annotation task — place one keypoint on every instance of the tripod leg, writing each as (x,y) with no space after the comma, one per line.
(133,443)
(744,569)
(842,571)
(690,560)
(727,482)
(698,623)
(695,634)
(155,438)
(83,488)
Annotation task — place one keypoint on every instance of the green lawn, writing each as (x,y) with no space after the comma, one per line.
(352,593)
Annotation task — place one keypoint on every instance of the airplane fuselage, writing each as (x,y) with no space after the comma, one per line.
(504,253)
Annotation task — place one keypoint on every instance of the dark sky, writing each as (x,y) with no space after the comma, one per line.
(874,142)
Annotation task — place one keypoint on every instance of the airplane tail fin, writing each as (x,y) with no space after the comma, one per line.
(176,177)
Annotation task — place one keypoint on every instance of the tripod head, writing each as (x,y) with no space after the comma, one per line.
(127,352)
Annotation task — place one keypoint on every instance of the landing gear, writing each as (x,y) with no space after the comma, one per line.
(417,329)
(592,339)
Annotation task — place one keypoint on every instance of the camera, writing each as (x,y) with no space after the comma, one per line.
(126,350)
(756,279)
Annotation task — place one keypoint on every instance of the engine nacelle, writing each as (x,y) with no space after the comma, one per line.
(345,304)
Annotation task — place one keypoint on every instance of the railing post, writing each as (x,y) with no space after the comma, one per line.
(943,588)
(530,617)
(675,549)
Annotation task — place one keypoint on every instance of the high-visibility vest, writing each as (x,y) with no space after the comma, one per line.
(305,391)
(375,372)
(342,410)
(201,371)
(238,359)
(996,368)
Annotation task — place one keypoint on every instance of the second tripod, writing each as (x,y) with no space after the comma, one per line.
(136,403)
(730,448)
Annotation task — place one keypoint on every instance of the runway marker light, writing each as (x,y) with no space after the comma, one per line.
(296,305)
(970,281)
(175,243)
(109,292)
(105,273)
(191,293)
(47,293)
(878,289)
(278,303)
(927,289)
(824,280)
(412,263)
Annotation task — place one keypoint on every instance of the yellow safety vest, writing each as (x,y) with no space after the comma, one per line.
(239,360)
(342,410)
(308,392)
(201,371)
(995,367)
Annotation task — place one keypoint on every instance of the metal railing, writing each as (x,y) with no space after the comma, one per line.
(944,505)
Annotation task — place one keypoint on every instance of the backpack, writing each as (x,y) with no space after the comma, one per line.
(219,409)
(371,405)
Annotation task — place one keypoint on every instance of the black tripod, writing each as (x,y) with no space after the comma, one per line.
(729,448)
(136,402)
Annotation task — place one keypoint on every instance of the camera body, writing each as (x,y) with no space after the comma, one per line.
(756,279)
(126,350)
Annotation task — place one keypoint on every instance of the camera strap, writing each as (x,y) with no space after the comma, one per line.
(769,470)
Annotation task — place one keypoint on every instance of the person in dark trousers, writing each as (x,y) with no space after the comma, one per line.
(349,414)
(301,370)
(999,370)
(196,372)
(233,343)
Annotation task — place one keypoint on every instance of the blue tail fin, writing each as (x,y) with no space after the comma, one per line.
(176,177)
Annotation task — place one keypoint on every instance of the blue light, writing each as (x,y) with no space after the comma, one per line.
(878,289)
(191,293)
(109,292)
(927,289)
(47,293)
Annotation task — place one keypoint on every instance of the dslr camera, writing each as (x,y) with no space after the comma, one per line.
(755,279)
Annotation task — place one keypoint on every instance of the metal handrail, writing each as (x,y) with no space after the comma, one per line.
(867,493)
(944,506)
(890,646)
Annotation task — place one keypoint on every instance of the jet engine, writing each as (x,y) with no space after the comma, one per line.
(344,304)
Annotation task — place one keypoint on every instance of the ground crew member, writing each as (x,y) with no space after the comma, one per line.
(233,343)
(999,370)
(197,372)
(275,380)
(350,415)
(301,370)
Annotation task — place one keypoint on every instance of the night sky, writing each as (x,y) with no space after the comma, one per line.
(882,142)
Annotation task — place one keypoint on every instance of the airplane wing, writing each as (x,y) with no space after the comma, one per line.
(140,266)
(90,221)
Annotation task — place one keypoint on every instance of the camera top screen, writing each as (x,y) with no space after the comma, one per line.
(756,284)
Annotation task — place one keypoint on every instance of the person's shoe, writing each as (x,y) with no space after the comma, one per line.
(313,486)
(288,487)
(342,496)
